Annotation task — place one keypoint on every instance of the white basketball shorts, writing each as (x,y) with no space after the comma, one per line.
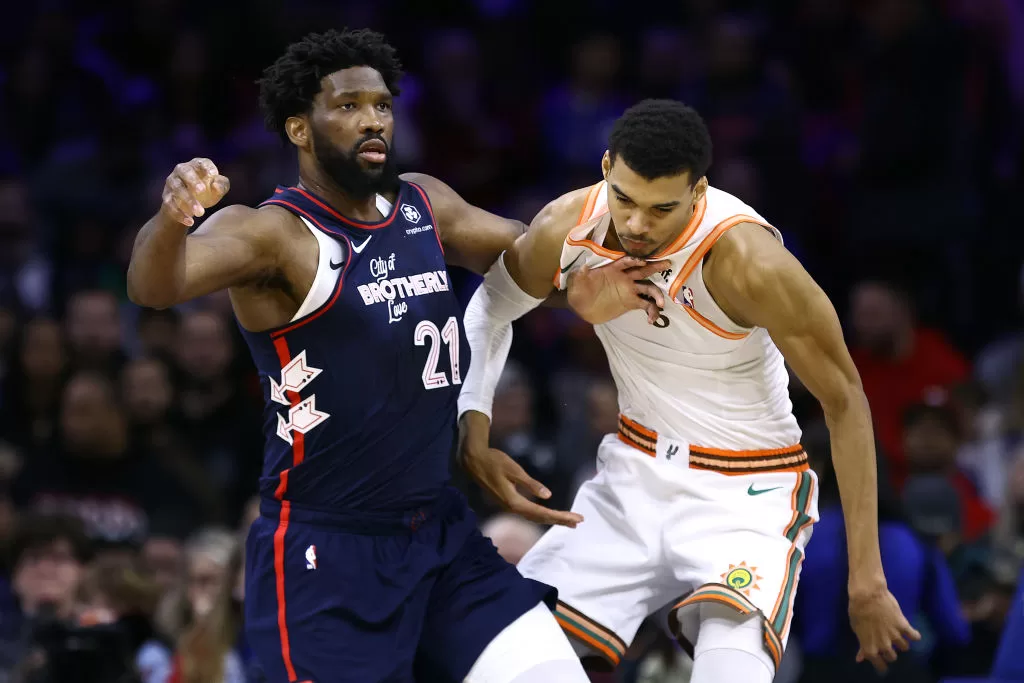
(666,524)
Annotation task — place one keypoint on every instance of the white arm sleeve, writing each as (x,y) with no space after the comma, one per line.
(488,323)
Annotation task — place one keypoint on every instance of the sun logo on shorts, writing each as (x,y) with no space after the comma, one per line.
(742,578)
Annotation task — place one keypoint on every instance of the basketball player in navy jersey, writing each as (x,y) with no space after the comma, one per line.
(364,565)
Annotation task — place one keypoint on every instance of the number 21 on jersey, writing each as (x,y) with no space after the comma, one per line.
(427,333)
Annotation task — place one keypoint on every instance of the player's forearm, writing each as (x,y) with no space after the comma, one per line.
(157,270)
(853,455)
(488,324)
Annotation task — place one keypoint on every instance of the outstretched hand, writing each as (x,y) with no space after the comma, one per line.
(881,628)
(606,292)
(502,477)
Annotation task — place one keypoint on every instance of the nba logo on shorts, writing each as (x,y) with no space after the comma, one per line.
(311,557)
(411,213)
(685,296)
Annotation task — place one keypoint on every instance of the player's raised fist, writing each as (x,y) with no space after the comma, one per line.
(606,292)
(191,188)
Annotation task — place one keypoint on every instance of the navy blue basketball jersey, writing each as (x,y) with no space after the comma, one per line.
(360,392)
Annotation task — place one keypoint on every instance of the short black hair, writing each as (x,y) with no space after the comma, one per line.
(289,84)
(40,530)
(660,138)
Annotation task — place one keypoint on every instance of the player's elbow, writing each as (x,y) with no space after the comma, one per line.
(146,294)
(842,400)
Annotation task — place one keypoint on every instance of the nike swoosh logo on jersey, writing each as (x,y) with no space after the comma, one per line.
(335,266)
(754,492)
(362,246)
(573,263)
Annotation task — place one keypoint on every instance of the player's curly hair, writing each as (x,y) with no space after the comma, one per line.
(659,138)
(289,84)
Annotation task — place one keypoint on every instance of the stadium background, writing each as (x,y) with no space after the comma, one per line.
(885,139)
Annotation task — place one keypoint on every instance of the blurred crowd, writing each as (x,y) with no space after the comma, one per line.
(885,139)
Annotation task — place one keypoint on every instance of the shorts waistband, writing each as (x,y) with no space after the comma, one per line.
(366,523)
(788,459)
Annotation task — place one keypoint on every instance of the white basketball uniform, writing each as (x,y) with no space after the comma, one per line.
(704,494)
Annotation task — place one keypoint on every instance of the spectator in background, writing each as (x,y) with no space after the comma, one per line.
(32,390)
(513,536)
(48,562)
(900,364)
(219,422)
(577,115)
(96,475)
(208,556)
(931,441)
(24,272)
(148,397)
(157,331)
(208,652)
(983,455)
(94,331)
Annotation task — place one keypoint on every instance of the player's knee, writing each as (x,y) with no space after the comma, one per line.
(532,649)
(730,647)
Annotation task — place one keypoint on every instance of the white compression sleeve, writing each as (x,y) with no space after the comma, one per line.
(488,323)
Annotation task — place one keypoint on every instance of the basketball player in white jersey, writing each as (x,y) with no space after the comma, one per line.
(703,500)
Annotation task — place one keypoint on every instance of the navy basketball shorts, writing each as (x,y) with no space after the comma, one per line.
(327,604)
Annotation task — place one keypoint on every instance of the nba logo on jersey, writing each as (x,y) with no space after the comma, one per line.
(411,213)
(685,296)
(311,557)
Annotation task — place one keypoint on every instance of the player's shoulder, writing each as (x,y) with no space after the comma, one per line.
(268,225)
(553,222)
(438,192)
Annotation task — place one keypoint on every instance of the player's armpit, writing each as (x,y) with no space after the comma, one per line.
(472,238)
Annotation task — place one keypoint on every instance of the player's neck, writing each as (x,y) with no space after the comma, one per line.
(358,209)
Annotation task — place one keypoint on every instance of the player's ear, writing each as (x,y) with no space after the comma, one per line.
(606,164)
(297,129)
(700,188)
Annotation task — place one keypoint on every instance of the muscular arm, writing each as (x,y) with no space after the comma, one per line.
(757,282)
(233,246)
(472,238)
(169,266)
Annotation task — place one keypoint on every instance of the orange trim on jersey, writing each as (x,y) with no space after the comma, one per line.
(588,206)
(713,328)
(691,227)
(792,576)
(705,246)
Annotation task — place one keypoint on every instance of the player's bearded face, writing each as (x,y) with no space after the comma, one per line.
(357,178)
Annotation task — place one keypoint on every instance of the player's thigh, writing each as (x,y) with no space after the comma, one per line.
(608,570)
(319,615)
(744,551)
(473,598)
